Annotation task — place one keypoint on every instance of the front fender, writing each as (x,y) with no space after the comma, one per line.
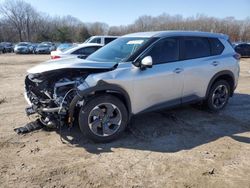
(100,86)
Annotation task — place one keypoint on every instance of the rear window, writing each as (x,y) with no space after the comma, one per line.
(195,47)
(216,46)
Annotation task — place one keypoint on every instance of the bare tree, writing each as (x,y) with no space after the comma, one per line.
(20,15)
(20,21)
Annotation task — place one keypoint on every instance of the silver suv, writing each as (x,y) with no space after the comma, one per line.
(133,74)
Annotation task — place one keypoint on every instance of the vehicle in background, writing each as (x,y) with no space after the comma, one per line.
(64,46)
(22,48)
(53,45)
(45,48)
(243,49)
(1,48)
(7,47)
(101,39)
(81,51)
(33,47)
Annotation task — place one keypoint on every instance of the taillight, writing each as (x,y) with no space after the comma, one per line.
(237,56)
(55,57)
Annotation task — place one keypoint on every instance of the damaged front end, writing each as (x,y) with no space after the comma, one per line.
(50,94)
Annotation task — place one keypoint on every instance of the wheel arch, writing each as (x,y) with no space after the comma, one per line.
(223,75)
(100,88)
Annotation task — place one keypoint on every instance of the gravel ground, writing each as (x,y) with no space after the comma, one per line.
(184,147)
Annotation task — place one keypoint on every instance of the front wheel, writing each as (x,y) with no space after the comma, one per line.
(103,118)
(218,96)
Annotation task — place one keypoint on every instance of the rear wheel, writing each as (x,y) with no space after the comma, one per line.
(103,118)
(218,96)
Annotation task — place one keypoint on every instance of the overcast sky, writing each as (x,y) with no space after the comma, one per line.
(119,12)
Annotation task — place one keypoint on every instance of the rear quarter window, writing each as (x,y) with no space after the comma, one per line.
(216,46)
(195,47)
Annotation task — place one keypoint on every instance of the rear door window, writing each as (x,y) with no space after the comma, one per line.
(195,47)
(165,51)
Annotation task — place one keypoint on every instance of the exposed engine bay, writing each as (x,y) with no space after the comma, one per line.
(50,93)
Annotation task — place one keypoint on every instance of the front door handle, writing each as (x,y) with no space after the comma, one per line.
(178,70)
(215,63)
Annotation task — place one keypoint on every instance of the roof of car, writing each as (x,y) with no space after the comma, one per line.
(104,36)
(176,33)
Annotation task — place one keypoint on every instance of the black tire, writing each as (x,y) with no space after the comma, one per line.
(214,103)
(96,103)
(4,51)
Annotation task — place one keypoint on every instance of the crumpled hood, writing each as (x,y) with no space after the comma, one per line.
(70,63)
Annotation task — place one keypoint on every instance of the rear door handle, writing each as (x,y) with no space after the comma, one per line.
(178,70)
(215,63)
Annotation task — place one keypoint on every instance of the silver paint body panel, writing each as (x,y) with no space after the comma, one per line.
(163,82)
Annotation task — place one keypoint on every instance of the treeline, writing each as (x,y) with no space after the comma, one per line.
(19,21)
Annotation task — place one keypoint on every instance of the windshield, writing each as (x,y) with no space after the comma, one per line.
(118,50)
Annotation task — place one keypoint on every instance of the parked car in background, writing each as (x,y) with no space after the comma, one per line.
(64,46)
(7,47)
(53,45)
(1,48)
(81,51)
(33,47)
(22,48)
(101,39)
(243,49)
(44,48)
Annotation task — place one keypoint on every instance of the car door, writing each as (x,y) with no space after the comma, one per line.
(199,65)
(161,85)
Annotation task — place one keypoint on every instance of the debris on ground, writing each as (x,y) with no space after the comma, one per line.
(29,127)
(210,172)
(3,100)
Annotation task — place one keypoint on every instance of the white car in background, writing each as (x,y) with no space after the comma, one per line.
(101,39)
(81,51)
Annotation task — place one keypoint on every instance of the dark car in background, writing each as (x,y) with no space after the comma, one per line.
(243,49)
(7,47)
(23,48)
(1,48)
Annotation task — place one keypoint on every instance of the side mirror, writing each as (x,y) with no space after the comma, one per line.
(147,62)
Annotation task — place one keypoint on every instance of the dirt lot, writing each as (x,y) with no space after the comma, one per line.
(184,147)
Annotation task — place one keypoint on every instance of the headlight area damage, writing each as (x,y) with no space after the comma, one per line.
(50,95)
